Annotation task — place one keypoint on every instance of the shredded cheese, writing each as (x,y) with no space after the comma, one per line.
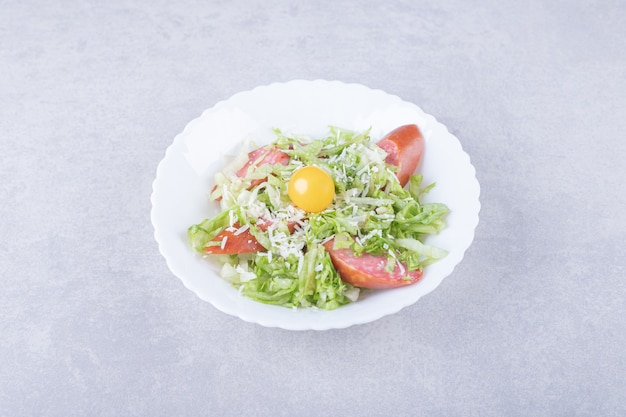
(241,230)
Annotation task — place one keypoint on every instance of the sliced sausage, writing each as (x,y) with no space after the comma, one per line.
(368,271)
(262,156)
(265,155)
(235,240)
(404,146)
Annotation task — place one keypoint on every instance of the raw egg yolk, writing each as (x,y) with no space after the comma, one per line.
(311,189)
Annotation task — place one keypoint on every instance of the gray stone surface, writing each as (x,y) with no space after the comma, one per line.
(531,323)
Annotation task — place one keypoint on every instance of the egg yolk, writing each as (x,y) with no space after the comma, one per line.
(311,189)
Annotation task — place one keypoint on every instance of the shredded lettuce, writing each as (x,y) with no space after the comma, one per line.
(371,213)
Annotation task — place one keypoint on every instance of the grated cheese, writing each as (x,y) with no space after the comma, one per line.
(241,229)
(402,268)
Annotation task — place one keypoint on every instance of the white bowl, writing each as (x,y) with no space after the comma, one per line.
(184,179)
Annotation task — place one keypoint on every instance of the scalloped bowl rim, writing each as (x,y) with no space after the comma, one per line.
(180,189)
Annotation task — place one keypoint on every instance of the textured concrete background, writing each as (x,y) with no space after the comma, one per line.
(532,323)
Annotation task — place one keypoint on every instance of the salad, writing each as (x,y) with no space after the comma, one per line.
(310,222)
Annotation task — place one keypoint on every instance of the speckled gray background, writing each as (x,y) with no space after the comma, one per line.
(92,323)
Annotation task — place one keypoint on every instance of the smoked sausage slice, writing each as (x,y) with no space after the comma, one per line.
(404,146)
(234,241)
(368,271)
(262,156)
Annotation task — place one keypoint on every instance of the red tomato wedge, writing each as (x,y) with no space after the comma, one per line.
(368,271)
(405,146)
